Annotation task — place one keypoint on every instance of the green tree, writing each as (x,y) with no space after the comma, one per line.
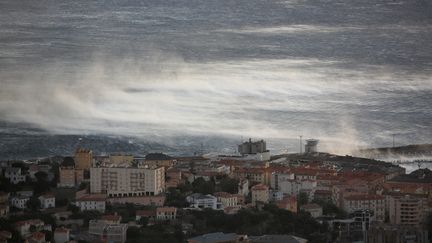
(302,199)
(33,203)
(202,186)
(229,185)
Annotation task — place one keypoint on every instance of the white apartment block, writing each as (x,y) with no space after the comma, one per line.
(47,201)
(19,202)
(227,199)
(294,187)
(198,200)
(277,178)
(14,175)
(127,181)
(91,202)
(375,203)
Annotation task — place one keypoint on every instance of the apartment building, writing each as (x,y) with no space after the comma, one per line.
(372,202)
(127,181)
(14,175)
(47,200)
(260,193)
(83,159)
(91,202)
(198,200)
(166,213)
(226,199)
(113,233)
(407,209)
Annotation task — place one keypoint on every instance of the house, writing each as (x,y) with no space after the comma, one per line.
(166,213)
(226,199)
(198,200)
(150,214)
(314,209)
(23,227)
(61,235)
(37,237)
(47,201)
(372,202)
(14,175)
(243,187)
(260,193)
(19,201)
(113,233)
(91,202)
(288,203)
(275,195)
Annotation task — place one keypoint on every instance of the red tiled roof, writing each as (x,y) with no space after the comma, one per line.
(260,187)
(111,217)
(224,194)
(38,235)
(92,197)
(359,197)
(61,230)
(146,213)
(166,209)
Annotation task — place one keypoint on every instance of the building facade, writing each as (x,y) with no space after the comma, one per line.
(127,181)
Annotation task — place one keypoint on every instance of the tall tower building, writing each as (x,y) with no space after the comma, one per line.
(83,159)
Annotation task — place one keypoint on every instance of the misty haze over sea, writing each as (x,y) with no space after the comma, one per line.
(350,73)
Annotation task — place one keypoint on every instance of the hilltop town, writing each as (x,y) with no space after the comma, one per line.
(252,196)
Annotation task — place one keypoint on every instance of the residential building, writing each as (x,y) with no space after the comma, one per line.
(158,160)
(14,175)
(198,200)
(407,209)
(19,201)
(113,233)
(23,227)
(173,177)
(61,235)
(383,233)
(372,202)
(288,203)
(36,237)
(91,202)
(127,181)
(226,199)
(83,159)
(275,195)
(149,213)
(243,187)
(166,213)
(260,193)
(121,159)
(314,209)
(66,176)
(158,200)
(277,177)
(47,201)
